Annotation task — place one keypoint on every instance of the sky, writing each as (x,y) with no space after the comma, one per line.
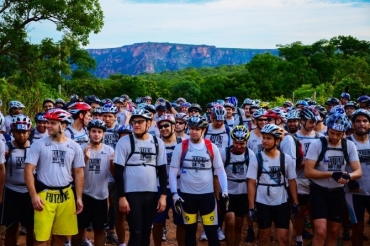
(223,23)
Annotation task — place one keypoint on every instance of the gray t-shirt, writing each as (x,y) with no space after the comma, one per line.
(37,135)
(140,173)
(54,161)
(219,137)
(240,174)
(97,172)
(111,137)
(196,175)
(79,137)
(14,178)
(255,142)
(277,194)
(333,161)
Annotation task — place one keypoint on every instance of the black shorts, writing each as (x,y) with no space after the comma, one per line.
(95,212)
(16,208)
(303,199)
(279,214)
(326,203)
(238,204)
(356,205)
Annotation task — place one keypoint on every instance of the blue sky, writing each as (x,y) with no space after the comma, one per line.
(224,23)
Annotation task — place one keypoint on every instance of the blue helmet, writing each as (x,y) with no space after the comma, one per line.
(233,100)
(301,102)
(338,122)
(345,95)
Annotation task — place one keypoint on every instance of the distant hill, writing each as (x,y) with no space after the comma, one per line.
(157,57)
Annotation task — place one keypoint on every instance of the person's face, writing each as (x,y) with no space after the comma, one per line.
(41,126)
(349,111)
(229,112)
(140,125)
(299,107)
(309,124)
(195,134)
(217,124)
(184,110)
(16,111)
(293,125)
(47,106)
(94,106)
(53,127)
(363,105)
(361,125)
(97,116)
(96,135)
(148,101)
(335,136)
(59,105)
(247,111)
(268,141)
(193,112)
(261,122)
(180,125)
(87,117)
(109,119)
(161,112)
(344,101)
(20,136)
(239,146)
(328,107)
(166,129)
(118,105)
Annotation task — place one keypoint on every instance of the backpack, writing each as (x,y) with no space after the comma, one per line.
(11,148)
(185,147)
(132,143)
(178,140)
(261,169)
(299,149)
(227,160)
(32,135)
(324,143)
(227,128)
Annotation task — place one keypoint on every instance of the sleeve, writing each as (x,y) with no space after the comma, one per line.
(290,168)
(172,177)
(222,178)
(162,156)
(67,133)
(176,156)
(78,161)
(252,155)
(217,162)
(119,171)
(313,151)
(33,154)
(223,155)
(2,152)
(120,153)
(288,146)
(252,169)
(352,151)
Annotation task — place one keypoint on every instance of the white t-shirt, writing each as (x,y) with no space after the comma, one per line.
(141,172)
(121,117)
(255,142)
(37,135)
(154,131)
(230,122)
(97,172)
(333,161)
(240,174)
(277,194)
(14,178)
(196,175)
(54,161)
(79,137)
(8,122)
(111,137)
(219,137)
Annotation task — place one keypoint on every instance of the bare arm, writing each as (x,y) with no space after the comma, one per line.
(356,170)
(311,172)
(251,192)
(293,190)
(79,185)
(30,183)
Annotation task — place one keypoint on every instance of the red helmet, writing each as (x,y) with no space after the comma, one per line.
(78,106)
(271,114)
(58,115)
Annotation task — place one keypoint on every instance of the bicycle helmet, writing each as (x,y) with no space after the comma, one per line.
(360,111)
(15,104)
(48,100)
(195,106)
(148,98)
(144,113)
(274,130)
(363,99)
(58,115)
(21,122)
(310,113)
(181,116)
(76,107)
(40,117)
(97,124)
(142,105)
(92,99)
(345,95)
(288,104)
(109,109)
(180,99)
(264,105)
(337,109)
(254,106)
(166,117)
(220,101)
(259,113)
(124,129)
(210,105)
(322,110)
(117,100)
(106,101)
(60,100)
(96,111)
(230,105)
(301,102)
(338,122)
(240,133)
(294,115)
(73,98)
(351,104)
(219,112)
(150,108)
(332,101)
(161,104)
(276,113)
(138,100)
(233,100)
(185,104)
(197,121)
(248,101)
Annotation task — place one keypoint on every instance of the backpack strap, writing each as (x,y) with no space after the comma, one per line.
(209,149)
(178,140)
(156,148)
(240,117)
(205,132)
(324,147)
(32,135)
(184,150)
(227,128)
(72,135)
(345,151)
(282,168)
(227,154)
(132,143)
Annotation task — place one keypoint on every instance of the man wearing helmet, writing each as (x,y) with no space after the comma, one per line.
(98,159)
(331,102)
(197,165)
(344,98)
(364,102)
(16,202)
(123,116)
(53,200)
(320,127)
(236,159)
(48,104)
(229,114)
(139,158)
(267,188)
(180,126)
(59,103)
(255,139)
(15,107)
(326,169)
(245,117)
(93,101)
(166,126)
(349,108)
(293,118)
(358,191)
(40,130)
(81,114)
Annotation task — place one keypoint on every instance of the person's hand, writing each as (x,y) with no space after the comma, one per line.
(336,176)
(177,203)
(80,205)
(161,206)
(124,207)
(224,202)
(296,210)
(253,214)
(354,186)
(37,203)
(86,150)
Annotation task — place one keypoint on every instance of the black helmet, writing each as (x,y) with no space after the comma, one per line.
(96,123)
(92,99)
(197,121)
(332,101)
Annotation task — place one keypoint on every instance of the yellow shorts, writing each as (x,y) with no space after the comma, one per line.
(58,214)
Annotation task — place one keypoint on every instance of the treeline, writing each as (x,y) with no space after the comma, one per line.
(324,67)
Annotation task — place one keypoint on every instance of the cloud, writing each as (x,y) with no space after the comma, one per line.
(227,23)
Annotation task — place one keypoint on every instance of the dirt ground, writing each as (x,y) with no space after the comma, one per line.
(171,240)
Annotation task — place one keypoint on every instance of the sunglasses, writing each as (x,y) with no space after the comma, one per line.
(194,111)
(164,126)
(266,120)
(139,122)
(180,122)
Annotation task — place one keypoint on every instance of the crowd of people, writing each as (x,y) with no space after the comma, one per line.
(92,164)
